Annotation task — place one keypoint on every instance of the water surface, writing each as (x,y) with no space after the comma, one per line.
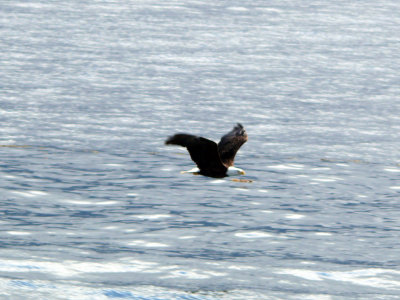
(93,205)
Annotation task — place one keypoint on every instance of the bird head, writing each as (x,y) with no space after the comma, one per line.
(232,171)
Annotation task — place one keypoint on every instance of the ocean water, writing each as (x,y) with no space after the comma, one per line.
(93,204)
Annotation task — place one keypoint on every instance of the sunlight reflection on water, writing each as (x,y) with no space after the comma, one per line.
(93,204)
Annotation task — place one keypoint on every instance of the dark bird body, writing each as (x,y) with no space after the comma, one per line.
(212,159)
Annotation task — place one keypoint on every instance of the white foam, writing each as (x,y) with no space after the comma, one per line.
(237,8)
(32,5)
(78,202)
(38,193)
(86,202)
(374,277)
(254,235)
(307,263)
(321,169)
(24,194)
(294,216)
(152,217)
(395,187)
(300,176)
(142,243)
(19,232)
(323,233)
(287,167)
(217,181)
(268,9)
(9,176)
(241,268)
(306,274)
(194,274)
(394,170)
(111,227)
(105,202)
(326,179)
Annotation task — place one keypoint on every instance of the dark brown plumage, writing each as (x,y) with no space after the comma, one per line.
(212,160)
(230,143)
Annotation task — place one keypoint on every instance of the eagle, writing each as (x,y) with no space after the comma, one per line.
(212,159)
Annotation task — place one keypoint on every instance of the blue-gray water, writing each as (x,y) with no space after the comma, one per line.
(93,205)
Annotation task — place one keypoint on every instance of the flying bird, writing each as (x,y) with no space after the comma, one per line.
(212,159)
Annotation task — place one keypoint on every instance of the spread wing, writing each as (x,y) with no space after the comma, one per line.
(202,151)
(230,144)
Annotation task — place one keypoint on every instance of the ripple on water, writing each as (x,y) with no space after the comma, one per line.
(294,216)
(287,167)
(149,244)
(153,217)
(20,233)
(326,179)
(131,75)
(254,235)
(91,203)
(218,181)
(30,193)
(378,278)
(392,170)
(194,274)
